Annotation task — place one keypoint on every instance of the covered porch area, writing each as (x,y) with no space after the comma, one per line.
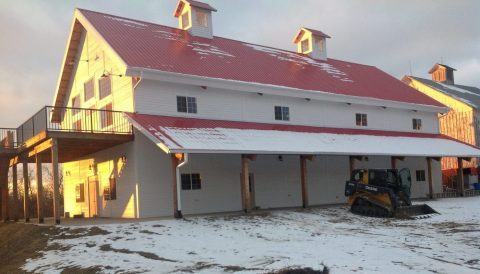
(224,166)
(51,137)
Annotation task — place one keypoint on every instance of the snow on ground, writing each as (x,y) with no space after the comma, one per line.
(446,243)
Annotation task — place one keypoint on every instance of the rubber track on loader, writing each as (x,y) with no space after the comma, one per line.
(365,207)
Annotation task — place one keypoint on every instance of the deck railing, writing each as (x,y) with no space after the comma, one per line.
(66,119)
(8,137)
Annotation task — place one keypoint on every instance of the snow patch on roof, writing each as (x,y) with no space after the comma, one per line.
(206,49)
(458,89)
(126,22)
(303,60)
(289,142)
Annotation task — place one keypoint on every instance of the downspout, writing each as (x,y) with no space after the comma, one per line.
(178,214)
(134,87)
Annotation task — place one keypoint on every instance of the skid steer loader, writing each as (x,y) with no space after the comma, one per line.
(383,193)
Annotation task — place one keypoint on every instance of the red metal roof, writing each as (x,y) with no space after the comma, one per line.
(161,127)
(179,122)
(152,46)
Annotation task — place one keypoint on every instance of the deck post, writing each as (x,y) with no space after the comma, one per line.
(38,169)
(175,162)
(430,178)
(460,181)
(15,192)
(4,187)
(394,161)
(56,182)
(26,191)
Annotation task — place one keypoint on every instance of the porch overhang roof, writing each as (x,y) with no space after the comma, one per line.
(189,135)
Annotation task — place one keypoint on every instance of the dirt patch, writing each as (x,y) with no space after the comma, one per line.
(80,232)
(307,270)
(147,255)
(19,242)
(88,270)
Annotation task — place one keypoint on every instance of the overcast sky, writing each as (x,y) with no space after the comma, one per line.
(396,36)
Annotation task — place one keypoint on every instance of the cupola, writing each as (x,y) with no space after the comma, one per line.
(442,73)
(195,17)
(312,43)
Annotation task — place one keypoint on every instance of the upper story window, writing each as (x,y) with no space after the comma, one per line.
(88,90)
(186,104)
(320,43)
(104,87)
(185,20)
(361,119)
(202,19)
(306,45)
(106,116)
(417,124)
(191,181)
(282,113)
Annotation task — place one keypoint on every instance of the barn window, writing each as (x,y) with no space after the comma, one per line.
(420,175)
(88,90)
(305,45)
(282,113)
(80,193)
(185,20)
(202,19)
(104,87)
(320,43)
(417,124)
(191,181)
(110,190)
(186,104)
(106,116)
(361,119)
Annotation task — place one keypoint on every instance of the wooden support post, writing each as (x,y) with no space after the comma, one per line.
(4,189)
(460,181)
(247,199)
(15,192)
(393,162)
(56,182)
(26,192)
(352,163)
(175,162)
(38,170)
(304,178)
(430,178)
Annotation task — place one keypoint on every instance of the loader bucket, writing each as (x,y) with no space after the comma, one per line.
(414,212)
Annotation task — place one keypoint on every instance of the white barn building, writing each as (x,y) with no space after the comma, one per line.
(207,111)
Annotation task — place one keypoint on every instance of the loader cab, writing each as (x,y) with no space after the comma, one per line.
(383,177)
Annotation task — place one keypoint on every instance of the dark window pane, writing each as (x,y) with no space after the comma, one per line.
(286,113)
(278,113)
(186,182)
(89,90)
(364,120)
(358,119)
(105,87)
(181,104)
(192,105)
(420,175)
(196,181)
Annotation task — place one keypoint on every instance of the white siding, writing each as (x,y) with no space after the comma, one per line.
(159,98)
(104,165)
